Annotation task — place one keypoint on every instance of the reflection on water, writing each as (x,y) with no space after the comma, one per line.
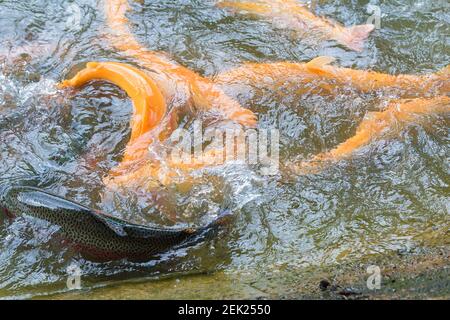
(391,192)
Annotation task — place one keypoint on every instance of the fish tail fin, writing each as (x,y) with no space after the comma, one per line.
(211,230)
(354,37)
(223,219)
(445,72)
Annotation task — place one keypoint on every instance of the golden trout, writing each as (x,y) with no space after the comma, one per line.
(319,73)
(292,15)
(397,114)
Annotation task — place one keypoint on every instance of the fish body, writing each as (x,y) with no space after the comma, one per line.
(98,236)
(292,15)
(397,114)
(319,73)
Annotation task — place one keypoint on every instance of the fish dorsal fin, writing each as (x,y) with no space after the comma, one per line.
(445,72)
(198,97)
(317,65)
(109,222)
(116,227)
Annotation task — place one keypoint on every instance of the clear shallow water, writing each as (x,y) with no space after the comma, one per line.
(388,195)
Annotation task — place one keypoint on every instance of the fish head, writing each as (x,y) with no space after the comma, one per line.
(9,205)
(4,208)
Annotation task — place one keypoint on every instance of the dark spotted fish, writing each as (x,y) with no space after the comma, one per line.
(98,236)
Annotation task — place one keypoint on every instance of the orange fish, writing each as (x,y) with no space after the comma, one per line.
(292,15)
(397,114)
(148,174)
(319,73)
(149,106)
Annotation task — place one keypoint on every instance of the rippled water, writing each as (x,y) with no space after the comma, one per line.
(384,198)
